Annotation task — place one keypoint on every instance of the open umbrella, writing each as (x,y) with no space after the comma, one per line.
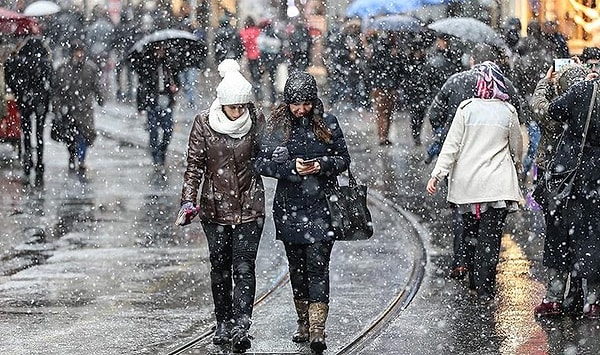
(41,8)
(468,29)
(369,8)
(183,48)
(13,23)
(400,23)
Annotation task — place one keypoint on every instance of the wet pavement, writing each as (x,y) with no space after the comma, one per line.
(98,266)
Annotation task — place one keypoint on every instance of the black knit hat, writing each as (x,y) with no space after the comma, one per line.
(299,87)
(590,53)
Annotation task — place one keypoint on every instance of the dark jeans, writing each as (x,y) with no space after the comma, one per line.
(483,237)
(233,252)
(309,270)
(31,114)
(160,118)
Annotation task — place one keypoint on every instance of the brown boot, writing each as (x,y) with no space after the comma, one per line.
(317,315)
(301,333)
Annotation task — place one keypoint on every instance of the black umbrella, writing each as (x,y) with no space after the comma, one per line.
(468,29)
(183,49)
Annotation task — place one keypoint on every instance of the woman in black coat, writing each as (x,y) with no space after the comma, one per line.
(581,213)
(305,150)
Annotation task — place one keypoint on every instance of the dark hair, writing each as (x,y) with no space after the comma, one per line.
(483,52)
(281,118)
(590,53)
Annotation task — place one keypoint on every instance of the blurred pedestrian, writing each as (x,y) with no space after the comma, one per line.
(386,67)
(299,45)
(189,76)
(460,87)
(99,40)
(249,36)
(470,165)
(591,58)
(227,42)
(126,33)
(269,43)
(157,85)
(29,74)
(305,150)
(579,151)
(76,89)
(557,239)
(222,148)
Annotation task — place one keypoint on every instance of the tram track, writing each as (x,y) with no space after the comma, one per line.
(377,324)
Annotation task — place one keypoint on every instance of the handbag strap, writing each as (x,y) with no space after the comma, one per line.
(587,123)
(351,179)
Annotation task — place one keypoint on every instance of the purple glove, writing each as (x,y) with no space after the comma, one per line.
(280,155)
(187,212)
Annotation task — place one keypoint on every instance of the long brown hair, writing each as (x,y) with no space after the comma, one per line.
(282,117)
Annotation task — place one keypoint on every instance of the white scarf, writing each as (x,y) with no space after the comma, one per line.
(222,124)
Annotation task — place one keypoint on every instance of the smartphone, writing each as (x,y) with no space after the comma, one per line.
(559,63)
(309,161)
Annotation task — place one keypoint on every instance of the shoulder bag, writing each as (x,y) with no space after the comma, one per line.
(350,215)
(560,185)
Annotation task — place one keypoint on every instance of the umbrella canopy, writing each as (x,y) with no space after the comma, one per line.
(41,8)
(183,48)
(370,8)
(400,23)
(468,29)
(13,23)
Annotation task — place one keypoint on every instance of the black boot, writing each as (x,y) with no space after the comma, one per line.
(39,175)
(240,340)
(222,333)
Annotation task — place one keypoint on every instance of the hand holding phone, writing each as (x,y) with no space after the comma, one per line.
(559,63)
(308,161)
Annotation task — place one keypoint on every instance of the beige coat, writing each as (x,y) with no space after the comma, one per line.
(481,153)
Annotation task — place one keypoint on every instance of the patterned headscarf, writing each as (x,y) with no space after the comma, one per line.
(490,82)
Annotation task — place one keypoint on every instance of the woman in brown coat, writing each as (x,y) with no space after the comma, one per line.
(222,148)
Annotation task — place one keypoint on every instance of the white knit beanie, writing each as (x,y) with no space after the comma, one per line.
(234,88)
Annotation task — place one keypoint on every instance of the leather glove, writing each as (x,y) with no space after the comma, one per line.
(187,212)
(280,155)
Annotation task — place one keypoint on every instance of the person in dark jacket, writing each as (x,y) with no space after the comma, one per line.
(158,83)
(77,88)
(386,63)
(222,149)
(305,150)
(459,87)
(581,216)
(557,239)
(29,74)
(227,42)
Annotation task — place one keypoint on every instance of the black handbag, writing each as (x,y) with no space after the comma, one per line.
(350,215)
(560,185)
(58,128)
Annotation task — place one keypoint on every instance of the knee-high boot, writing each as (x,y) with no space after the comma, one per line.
(317,316)
(301,334)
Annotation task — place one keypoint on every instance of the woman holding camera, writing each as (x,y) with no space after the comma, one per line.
(304,149)
(222,148)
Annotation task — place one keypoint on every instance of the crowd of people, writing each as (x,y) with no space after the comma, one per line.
(232,144)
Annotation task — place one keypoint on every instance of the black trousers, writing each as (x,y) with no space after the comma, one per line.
(309,270)
(483,237)
(233,252)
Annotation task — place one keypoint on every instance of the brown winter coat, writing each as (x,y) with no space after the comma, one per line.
(232,190)
(77,87)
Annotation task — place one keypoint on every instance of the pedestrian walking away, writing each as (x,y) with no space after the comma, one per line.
(305,150)
(29,74)
(77,88)
(222,149)
(471,167)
